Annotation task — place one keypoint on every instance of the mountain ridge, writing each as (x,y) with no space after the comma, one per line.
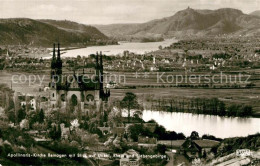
(189,22)
(255,13)
(44,32)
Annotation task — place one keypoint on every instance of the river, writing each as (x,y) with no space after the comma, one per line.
(135,47)
(222,127)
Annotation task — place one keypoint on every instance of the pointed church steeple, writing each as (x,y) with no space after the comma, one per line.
(53,62)
(59,62)
(97,72)
(97,62)
(58,57)
(101,71)
(101,59)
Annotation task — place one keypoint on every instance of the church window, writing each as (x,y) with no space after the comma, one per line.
(90,97)
(74,100)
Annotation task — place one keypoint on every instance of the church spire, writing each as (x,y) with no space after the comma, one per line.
(58,57)
(97,63)
(59,62)
(101,59)
(101,71)
(53,62)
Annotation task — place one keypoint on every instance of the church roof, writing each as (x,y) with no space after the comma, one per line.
(82,83)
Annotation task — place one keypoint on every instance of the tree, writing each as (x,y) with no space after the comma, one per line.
(173,135)
(222,108)
(181,136)
(135,131)
(160,132)
(58,133)
(246,111)
(114,117)
(32,117)
(21,114)
(194,135)
(233,110)
(211,137)
(161,148)
(129,102)
(41,116)
(85,138)
(11,115)
(204,154)
(55,132)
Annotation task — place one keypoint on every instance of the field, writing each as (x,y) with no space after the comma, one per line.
(146,86)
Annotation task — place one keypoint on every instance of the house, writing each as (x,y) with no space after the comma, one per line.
(146,141)
(22,100)
(130,158)
(27,99)
(165,61)
(213,67)
(111,85)
(173,144)
(206,144)
(65,131)
(153,68)
(33,103)
(190,148)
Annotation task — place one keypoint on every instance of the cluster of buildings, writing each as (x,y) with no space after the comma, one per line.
(71,90)
(75,88)
(26,51)
(190,148)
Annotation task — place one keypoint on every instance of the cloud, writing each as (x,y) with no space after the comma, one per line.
(112,11)
(45,8)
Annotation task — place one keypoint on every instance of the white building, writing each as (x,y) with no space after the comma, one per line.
(130,158)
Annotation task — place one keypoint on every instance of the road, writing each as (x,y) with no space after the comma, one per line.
(171,155)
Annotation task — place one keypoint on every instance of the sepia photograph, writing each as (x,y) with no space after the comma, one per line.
(129,82)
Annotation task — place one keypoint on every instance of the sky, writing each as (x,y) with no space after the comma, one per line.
(112,11)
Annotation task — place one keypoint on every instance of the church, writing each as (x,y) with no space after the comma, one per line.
(80,92)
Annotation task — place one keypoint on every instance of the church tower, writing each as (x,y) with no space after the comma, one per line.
(97,86)
(58,62)
(97,73)
(101,72)
(53,94)
(59,69)
(56,73)
(53,63)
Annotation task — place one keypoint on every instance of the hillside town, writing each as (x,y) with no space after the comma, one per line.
(130,83)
